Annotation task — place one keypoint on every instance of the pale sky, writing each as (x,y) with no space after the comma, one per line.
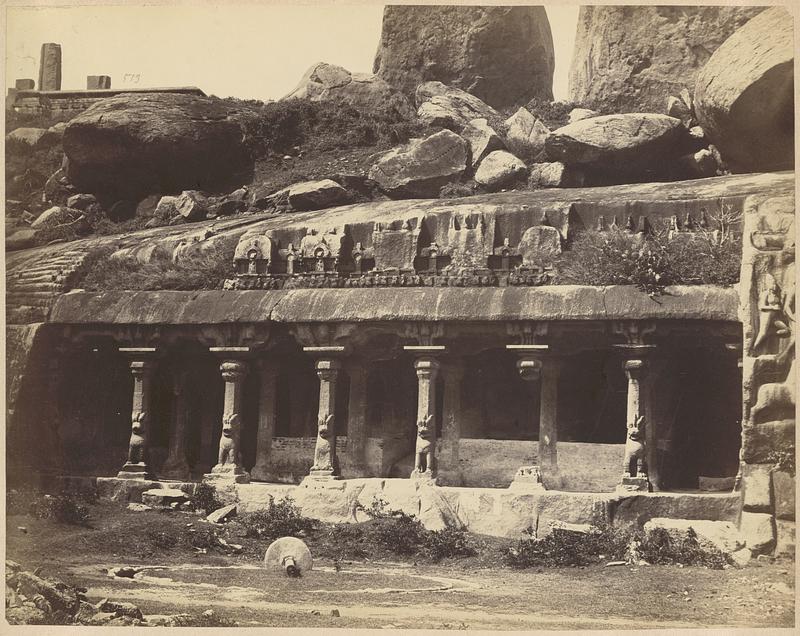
(248,51)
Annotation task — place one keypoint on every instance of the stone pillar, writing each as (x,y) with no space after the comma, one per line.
(94,82)
(50,67)
(326,465)
(537,364)
(24,84)
(427,368)
(176,465)
(357,422)
(229,460)
(267,403)
(635,475)
(449,471)
(142,367)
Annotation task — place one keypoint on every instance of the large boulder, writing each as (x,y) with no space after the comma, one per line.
(503,55)
(625,140)
(131,145)
(632,58)
(482,139)
(323,82)
(744,96)
(499,169)
(315,195)
(449,107)
(421,167)
(525,134)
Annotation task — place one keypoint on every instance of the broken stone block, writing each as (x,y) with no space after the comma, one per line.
(758,531)
(498,169)
(676,108)
(30,136)
(163,497)
(50,67)
(192,205)
(757,487)
(783,488)
(785,541)
(538,243)
(716,484)
(24,84)
(60,597)
(222,514)
(94,82)
(741,557)
(120,608)
(137,507)
(449,107)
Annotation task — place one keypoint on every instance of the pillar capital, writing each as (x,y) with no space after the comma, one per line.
(426,366)
(233,370)
(141,367)
(529,368)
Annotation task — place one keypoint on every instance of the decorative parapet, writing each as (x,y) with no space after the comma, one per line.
(767,312)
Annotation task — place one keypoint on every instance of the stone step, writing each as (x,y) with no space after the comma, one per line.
(36,278)
(36,287)
(34,299)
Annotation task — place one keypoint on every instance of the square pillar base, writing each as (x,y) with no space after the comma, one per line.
(426,478)
(634,484)
(136,471)
(239,476)
(324,474)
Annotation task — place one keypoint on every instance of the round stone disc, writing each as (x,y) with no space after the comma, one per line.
(288,547)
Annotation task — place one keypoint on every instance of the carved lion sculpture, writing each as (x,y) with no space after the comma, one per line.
(226,444)
(324,425)
(423,459)
(635,462)
(136,447)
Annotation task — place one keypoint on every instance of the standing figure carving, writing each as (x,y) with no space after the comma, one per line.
(424,459)
(137,449)
(227,444)
(322,451)
(635,462)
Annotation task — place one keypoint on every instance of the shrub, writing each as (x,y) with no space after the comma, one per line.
(281,519)
(205,498)
(660,548)
(446,543)
(650,262)
(565,548)
(205,269)
(206,619)
(62,508)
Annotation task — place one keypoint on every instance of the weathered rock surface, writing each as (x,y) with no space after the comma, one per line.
(525,134)
(191,205)
(482,140)
(628,140)
(631,58)
(576,114)
(498,169)
(539,243)
(132,145)
(744,96)
(758,531)
(315,195)
(163,497)
(423,166)
(56,215)
(441,105)
(324,82)
(503,55)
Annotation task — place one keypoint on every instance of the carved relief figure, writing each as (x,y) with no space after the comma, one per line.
(423,457)
(322,452)
(635,462)
(227,446)
(136,447)
(770,308)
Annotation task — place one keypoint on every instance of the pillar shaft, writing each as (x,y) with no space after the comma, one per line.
(267,403)
(325,460)
(548,422)
(634,476)
(137,466)
(229,458)
(451,426)
(176,464)
(357,414)
(427,369)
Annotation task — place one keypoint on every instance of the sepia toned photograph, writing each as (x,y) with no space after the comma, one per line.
(399,317)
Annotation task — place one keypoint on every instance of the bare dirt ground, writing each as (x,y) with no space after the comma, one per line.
(467,593)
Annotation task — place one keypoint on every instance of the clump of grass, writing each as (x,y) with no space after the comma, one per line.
(65,507)
(279,519)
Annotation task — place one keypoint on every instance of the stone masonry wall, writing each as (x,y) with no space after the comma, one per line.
(767,307)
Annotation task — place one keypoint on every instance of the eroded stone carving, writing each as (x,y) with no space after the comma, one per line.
(137,450)
(325,460)
(635,462)
(425,446)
